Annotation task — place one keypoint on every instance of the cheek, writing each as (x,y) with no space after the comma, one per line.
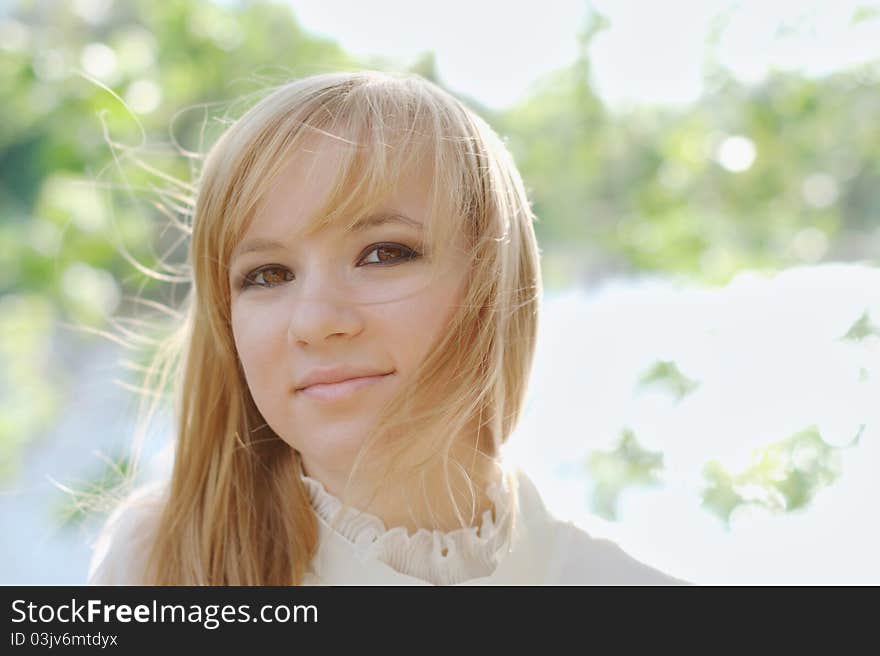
(258,343)
(422,321)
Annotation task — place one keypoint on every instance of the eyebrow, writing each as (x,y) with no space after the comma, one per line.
(259,244)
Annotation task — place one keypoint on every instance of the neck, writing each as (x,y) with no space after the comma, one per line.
(427,501)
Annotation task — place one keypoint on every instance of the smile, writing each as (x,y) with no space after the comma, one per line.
(342,389)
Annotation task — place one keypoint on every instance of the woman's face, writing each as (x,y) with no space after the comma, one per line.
(298,311)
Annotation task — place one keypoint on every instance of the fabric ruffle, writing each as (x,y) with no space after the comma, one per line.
(441,558)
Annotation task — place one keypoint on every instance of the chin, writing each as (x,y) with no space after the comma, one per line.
(331,448)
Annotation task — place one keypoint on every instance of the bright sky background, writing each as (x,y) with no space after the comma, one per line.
(767,355)
(652,52)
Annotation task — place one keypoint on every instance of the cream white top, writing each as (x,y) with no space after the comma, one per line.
(437,557)
(523,545)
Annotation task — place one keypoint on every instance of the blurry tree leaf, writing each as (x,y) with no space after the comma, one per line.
(628,465)
(865,13)
(426,66)
(783,476)
(666,375)
(862,329)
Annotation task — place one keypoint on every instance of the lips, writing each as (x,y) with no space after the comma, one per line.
(341,389)
(337,374)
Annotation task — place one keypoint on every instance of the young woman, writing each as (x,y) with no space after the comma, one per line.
(356,350)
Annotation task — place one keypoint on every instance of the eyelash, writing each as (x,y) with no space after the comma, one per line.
(409,254)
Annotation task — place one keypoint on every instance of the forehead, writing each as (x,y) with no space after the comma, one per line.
(326,183)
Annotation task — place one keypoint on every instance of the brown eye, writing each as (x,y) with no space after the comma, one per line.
(385,253)
(271,276)
(388,254)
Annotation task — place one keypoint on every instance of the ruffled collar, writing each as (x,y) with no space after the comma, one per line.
(433,556)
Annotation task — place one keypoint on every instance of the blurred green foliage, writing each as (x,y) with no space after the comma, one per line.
(627,465)
(667,376)
(662,190)
(82,499)
(95,94)
(30,390)
(783,476)
(863,328)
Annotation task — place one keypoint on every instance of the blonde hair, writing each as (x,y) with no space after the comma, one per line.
(237,512)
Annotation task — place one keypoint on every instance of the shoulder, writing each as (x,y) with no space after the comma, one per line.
(574,557)
(119,555)
(583,559)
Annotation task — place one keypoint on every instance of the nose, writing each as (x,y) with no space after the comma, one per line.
(320,312)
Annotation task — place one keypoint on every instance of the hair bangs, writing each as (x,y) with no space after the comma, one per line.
(379,149)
